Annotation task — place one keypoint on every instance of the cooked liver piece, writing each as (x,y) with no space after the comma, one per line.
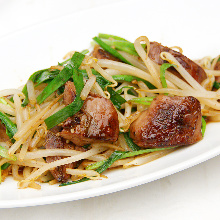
(217,67)
(69,93)
(169,121)
(193,69)
(99,53)
(3,136)
(97,121)
(55,142)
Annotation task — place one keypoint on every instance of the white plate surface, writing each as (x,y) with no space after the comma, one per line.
(44,45)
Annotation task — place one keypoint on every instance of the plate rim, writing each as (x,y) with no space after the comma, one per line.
(115,187)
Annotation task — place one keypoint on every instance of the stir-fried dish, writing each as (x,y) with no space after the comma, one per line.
(121,104)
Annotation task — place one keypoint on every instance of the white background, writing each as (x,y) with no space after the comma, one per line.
(190,194)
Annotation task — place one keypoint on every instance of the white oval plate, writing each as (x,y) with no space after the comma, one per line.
(43,45)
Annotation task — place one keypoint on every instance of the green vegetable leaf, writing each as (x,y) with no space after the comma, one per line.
(5,166)
(46,75)
(126,154)
(139,152)
(130,142)
(77,59)
(64,113)
(112,51)
(124,87)
(109,36)
(129,78)
(72,108)
(10,126)
(84,52)
(86,146)
(33,78)
(216,85)
(4,153)
(203,126)
(101,166)
(57,82)
(74,182)
(116,99)
(99,78)
(163,68)
(62,77)
(2,100)
(116,155)
(143,100)
(95,165)
(123,46)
